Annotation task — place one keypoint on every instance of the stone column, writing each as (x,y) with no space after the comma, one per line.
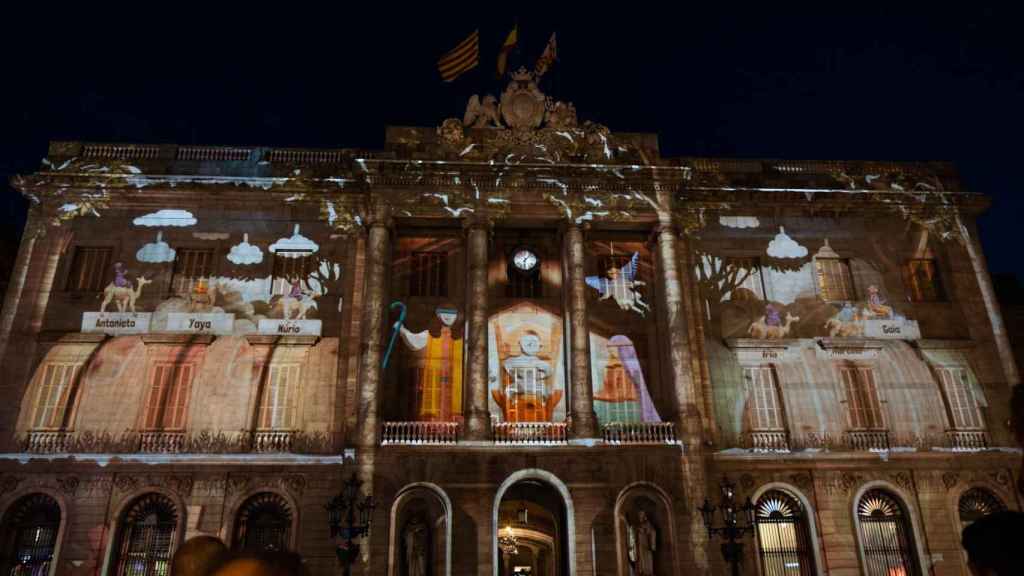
(378,250)
(478,418)
(584,421)
(988,297)
(12,301)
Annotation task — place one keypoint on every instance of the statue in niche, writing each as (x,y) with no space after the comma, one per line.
(621,285)
(438,368)
(643,543)
(120,290)
(525,397)
(415,541)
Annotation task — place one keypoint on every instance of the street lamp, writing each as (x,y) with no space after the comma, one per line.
(732,529)
(349,519)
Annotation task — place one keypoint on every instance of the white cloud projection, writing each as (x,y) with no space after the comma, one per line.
(154,252)
(294,246)
(782,246)
(166,217)
(739,221)
(244,253)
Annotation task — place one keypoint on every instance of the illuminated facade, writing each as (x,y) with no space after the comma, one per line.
(516,325)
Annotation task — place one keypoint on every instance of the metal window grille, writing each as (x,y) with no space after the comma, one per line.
(526,393)
(30,530)
(291,266)
(264,523)
(976,503)
(862,401)
(835,282)
(963,406)
(190,266)
(89,269)
(763,387)
(56,391)
(783,541)
(921,277)
(146,537)
(277,406)
(167,401)
(429,274)
(885,536)
(746,273)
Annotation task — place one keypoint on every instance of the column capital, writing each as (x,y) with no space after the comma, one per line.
(473,221)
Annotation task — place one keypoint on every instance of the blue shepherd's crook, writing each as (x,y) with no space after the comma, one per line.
(394,331)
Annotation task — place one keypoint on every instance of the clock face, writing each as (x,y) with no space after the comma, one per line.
(524,260)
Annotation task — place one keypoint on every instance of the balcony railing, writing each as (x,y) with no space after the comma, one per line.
(769,441)
(530,433)
(420,433)
(272,441)
(54,442)
(967,440)
(640,433)
(868,440)
(162,442)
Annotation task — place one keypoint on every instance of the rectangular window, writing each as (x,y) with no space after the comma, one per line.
(861,397)
(963,406)
(291,266)
(835,282)
(167,401)
(429,274)
(746,274)
(56,392)
(191,265)
(921,277)
(763,387)
(277,405)
(90,268)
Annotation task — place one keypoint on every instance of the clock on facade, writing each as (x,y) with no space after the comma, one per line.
(525,260)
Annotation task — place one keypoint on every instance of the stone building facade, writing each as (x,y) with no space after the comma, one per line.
(517,328)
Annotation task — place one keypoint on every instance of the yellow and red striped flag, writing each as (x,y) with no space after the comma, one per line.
(463,57)
(510,42)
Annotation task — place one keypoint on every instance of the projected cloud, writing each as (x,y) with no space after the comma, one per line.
(294,246)
(245,253)
(166,218)
(782,246)
(158,251)
(739,221)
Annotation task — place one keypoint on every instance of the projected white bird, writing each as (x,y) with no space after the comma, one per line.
(621,284)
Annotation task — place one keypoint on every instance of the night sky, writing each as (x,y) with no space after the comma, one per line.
(929,84)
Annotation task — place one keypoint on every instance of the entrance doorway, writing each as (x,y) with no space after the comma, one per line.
(533,533)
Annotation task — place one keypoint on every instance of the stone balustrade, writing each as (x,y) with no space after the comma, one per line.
(420,433)
(868,440)
(48,442)
(967,440)
(530,433)
(769,441)
(271,441)
(162,442)
(640,433)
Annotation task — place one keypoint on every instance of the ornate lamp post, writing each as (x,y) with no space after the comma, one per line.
(733,527)
(508,543)
(349,519)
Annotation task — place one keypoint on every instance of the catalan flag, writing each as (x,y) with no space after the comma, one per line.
(463,57)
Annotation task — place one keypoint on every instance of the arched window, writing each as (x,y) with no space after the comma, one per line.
(886,536)
(146,538)
(30,535)
(264,523)
(977,503)
(783,541)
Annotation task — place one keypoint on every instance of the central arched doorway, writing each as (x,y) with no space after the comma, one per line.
(533,521)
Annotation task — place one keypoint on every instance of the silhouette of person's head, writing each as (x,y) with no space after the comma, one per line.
(992,544)
(197,556)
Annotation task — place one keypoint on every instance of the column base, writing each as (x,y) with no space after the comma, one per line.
(478,426)
(584,425)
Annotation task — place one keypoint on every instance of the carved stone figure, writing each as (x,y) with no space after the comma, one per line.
(522,103)
(415,541)
(120,290)
(480,114)
(643,543)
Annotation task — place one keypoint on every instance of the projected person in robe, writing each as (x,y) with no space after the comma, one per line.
(436,369)
(622,394)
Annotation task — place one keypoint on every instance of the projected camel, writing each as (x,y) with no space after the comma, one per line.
(123,296)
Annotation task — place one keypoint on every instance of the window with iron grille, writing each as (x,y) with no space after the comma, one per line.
(429,274)
(278,401)
(957,389)
(976,503)
(146,537)
(89,269)
(167,400)
(921,277)
(886,537)
(190,266)
(57,387)
(763,387)
(861,397)
(30,530)
(783,539)
(835,282)
(291,266)
(746,274)
(264,523)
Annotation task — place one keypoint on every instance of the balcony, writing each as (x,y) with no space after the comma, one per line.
(967,440)
(868,440)
(769,441)
(42,442)
(420,433)
(267,441)
(530,433)
(160,442)
(640,433)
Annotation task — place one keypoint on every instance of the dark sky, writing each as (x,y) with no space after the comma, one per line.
(928,84)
